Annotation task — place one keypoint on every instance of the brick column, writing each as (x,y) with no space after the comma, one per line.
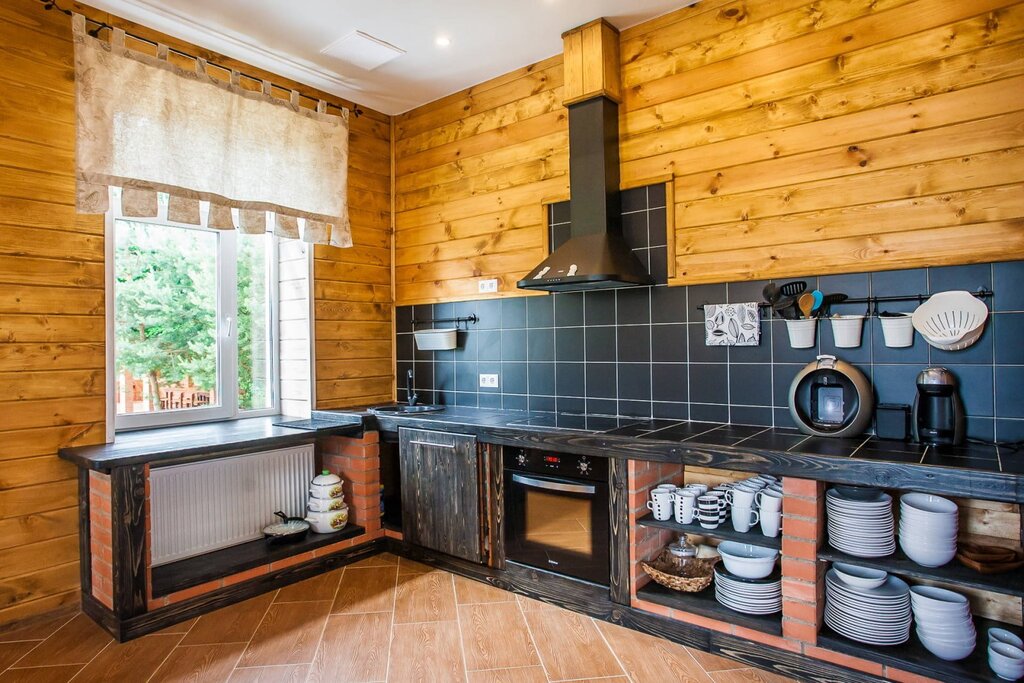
(101,541)
(357,461)
(645,542)
(803,524)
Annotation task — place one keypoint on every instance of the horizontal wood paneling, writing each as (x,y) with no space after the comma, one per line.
(52,335)
(848,134)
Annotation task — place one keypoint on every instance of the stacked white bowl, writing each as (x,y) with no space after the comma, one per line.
(928,528)
(944,624)
(748,583)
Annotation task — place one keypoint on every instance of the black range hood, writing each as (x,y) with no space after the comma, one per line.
(596,255)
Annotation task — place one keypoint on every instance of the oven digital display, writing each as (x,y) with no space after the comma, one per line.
(552,460)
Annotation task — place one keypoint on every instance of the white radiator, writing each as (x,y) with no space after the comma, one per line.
(214,504)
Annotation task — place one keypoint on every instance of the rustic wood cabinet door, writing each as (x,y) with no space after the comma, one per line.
(440,475)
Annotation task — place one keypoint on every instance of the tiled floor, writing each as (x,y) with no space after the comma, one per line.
(382,619)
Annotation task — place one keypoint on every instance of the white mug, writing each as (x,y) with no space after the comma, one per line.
(686,502)
(701,489)
(768,500)
(665,487)
(770,522)
(743,518)
(662,509)
(741,496)
(758,482)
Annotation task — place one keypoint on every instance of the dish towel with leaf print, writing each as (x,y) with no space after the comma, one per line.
(732,324)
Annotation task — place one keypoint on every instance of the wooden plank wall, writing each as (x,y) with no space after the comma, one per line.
(52,307)
(828,136)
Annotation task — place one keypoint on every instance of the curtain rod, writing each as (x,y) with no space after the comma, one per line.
(100,25)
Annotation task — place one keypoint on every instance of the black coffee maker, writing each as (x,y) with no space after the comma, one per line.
(938,417)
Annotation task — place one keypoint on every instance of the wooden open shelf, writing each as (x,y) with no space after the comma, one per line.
(724,532)
(954,573)
(704,604)
(913,657)
(192,571)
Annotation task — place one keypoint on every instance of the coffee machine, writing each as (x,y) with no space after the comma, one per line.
(938,417)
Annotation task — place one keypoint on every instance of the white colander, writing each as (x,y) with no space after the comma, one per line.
(951,321)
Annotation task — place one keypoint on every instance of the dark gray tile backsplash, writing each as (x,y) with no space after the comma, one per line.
(640,351)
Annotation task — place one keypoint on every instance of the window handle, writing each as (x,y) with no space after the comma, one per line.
(229,327)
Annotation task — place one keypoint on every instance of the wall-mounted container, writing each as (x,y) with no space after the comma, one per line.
(801,332)
(951,321)
(436,340)
(897,330)
(847,330)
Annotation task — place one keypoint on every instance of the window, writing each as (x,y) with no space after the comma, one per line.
(193,323)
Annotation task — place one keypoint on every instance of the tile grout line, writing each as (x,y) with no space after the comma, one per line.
(458,625)
(608,645)
(533,639)
(391,629)
(248,643)
(173,649)
(320,641)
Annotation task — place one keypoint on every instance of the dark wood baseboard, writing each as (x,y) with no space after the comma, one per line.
(594,601)
(149,622)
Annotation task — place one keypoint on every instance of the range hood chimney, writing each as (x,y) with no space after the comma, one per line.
(596,255)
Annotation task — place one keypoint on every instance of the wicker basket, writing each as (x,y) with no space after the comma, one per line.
(703,573)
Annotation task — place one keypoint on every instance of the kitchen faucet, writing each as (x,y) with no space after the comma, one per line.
(412,396)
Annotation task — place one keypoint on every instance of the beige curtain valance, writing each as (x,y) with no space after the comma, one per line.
(148,126)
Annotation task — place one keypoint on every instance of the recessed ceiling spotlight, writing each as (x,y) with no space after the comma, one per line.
(442,41)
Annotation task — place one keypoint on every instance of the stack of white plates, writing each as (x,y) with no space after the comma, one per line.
(944,623)
(876,616)
(928,528)
(860,521)
(749,596)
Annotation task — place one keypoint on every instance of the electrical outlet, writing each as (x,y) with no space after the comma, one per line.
(489,381)
(486,287)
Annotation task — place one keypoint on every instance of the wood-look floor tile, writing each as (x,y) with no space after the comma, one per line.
(76,642)
(36,628)
(710,662)
(603,679)
(354,649)
(426,653)
(523,674)
(322,587)
(494,636)
(199,664)
(381,560)
(570,645)
(531,605)
(295,673)
(407,566)
(652,660)
(181,627)
(12,652)
(370,589)
(425,597)
(232,624)
(289,634)
(135,660)
(468,591)
(41,674)
(749,675)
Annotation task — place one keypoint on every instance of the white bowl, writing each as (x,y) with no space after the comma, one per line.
(1006,660)
(928,557)
(860,577)
(927,503)
(950,650)
(746,560)
(933,596)
(1001,635)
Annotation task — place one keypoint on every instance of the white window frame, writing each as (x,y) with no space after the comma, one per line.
(227,351)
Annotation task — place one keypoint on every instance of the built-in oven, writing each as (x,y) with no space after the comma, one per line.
(556,508)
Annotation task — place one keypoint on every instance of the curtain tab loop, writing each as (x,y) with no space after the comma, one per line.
(117,37)
(162,51)
(267,87)
(201,66)
(295,98)
(236,77)
(78,24)
(321,107)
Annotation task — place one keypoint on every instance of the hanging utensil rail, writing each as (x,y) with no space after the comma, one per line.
(873,301)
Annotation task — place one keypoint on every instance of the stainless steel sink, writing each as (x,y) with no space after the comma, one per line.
(404,408)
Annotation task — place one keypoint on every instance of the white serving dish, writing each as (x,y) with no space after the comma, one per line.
(746,560)
(436,340)
(860,577)
(327,522)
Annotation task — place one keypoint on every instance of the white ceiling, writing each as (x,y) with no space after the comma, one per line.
(487,37)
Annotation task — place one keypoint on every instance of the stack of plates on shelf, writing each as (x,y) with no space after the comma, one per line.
(749,596)
(928,528)
(860,521)
(944,623)
(876,616)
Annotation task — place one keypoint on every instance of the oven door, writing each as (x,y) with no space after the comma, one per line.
(557,524)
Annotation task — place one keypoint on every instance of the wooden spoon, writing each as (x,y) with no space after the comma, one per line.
(806,304)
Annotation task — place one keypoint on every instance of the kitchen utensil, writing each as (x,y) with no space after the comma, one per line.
(325,485)
(818,299)
(288,530)
(951,321)
(938,414)
(786,308)
(328,522)
(771,293)
(827,301)
(806,303)
(793,288)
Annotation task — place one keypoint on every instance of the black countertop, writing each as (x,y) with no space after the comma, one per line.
(971,471)
(188,443)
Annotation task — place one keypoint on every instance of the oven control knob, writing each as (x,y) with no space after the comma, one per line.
(521,459)
(583,466)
